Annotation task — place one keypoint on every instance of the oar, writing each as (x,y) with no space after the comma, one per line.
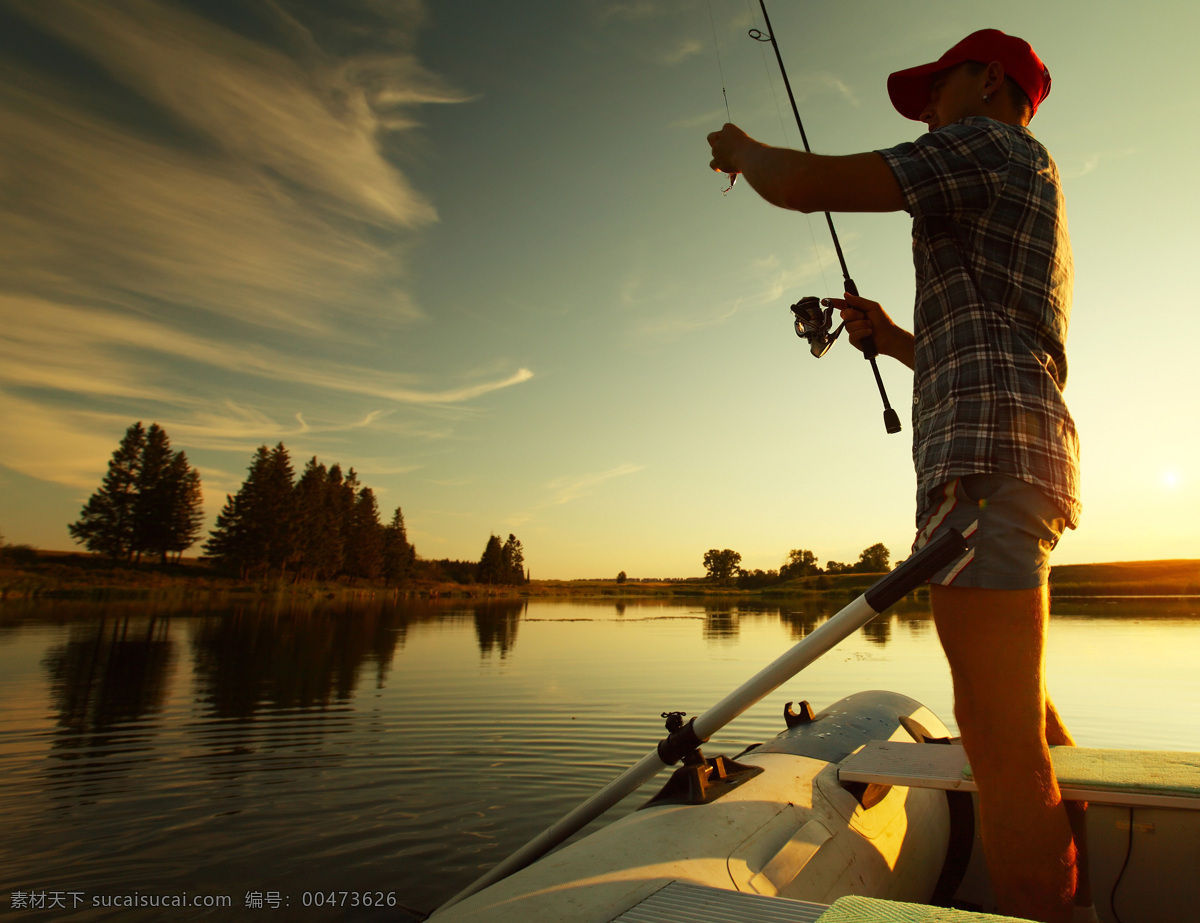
(882,594)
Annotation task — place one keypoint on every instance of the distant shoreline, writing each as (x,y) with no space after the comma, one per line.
(74,575)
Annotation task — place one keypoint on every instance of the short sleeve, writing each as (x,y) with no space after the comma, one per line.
(957,171)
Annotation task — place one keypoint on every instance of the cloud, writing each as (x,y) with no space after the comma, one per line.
(686,49)
(763,282)
(308,120)
(98,352)
(62,446)
(566,489)
(275,206)
(838,86)
(1092,162)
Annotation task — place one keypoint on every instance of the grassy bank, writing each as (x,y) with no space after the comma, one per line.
(1127,578)
(78,575)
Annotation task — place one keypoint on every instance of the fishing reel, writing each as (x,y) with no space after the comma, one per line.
(813,324)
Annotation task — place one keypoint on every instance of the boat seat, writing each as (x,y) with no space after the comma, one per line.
(1133,778)
(856,909)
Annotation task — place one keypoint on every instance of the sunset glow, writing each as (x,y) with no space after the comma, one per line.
(479,257)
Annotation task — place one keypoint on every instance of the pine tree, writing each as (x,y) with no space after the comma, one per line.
(491,565)
(255,531)
(364,544)
(106,523)
(339,497)
(311,504)
(235,541)
(280,528)
(398,555)
(186,512)
(513,560)
(152,506)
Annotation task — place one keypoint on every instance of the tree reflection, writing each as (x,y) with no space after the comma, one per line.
(110,673)
(721,622)
(296,656)
(803,616)
(496,622)
(879,629)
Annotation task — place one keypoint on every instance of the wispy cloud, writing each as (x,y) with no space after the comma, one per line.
(764,281)
(685,49)
(835,83)
(1092,162)
(309,120)
(566,489)
(108,357)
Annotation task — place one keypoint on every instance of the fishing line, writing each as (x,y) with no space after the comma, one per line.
(717,47)
(728,118)
(786,143)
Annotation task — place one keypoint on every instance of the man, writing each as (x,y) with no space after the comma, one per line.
(994,445)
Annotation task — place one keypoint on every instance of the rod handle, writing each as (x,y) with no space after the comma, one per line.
(868,345)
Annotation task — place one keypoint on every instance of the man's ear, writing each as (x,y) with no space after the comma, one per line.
(994,79)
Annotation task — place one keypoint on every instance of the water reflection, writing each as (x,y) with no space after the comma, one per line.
(721,622)
(109,672)
(878,630)
(496,622)
(298,657)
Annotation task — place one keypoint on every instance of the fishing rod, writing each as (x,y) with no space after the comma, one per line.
(811,322)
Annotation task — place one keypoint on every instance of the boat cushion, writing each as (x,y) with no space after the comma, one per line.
(855,909)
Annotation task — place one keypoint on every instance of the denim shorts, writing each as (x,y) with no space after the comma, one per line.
(1010,526)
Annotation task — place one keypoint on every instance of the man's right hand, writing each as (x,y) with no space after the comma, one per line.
(865,318)
(726,145)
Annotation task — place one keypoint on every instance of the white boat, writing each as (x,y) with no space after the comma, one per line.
(775,821)
(822,812)
(862,812)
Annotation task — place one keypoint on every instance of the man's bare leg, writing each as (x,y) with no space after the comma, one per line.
(1057,735)
(995,642)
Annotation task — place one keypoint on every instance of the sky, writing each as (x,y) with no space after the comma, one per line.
(474,251)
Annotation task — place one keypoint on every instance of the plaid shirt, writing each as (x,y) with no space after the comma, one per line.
(994,278)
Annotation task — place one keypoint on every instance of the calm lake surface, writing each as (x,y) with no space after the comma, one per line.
(270,754)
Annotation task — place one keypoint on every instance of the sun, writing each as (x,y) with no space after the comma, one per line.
(1169,479)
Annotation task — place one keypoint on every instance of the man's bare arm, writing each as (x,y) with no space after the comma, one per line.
(807,182)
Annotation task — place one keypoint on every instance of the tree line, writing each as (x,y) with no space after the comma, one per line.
(323,525)
(149,501)
(723,566)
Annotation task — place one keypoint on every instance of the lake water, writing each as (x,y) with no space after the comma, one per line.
(272,756)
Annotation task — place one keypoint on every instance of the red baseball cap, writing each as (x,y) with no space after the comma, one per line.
(909,89)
